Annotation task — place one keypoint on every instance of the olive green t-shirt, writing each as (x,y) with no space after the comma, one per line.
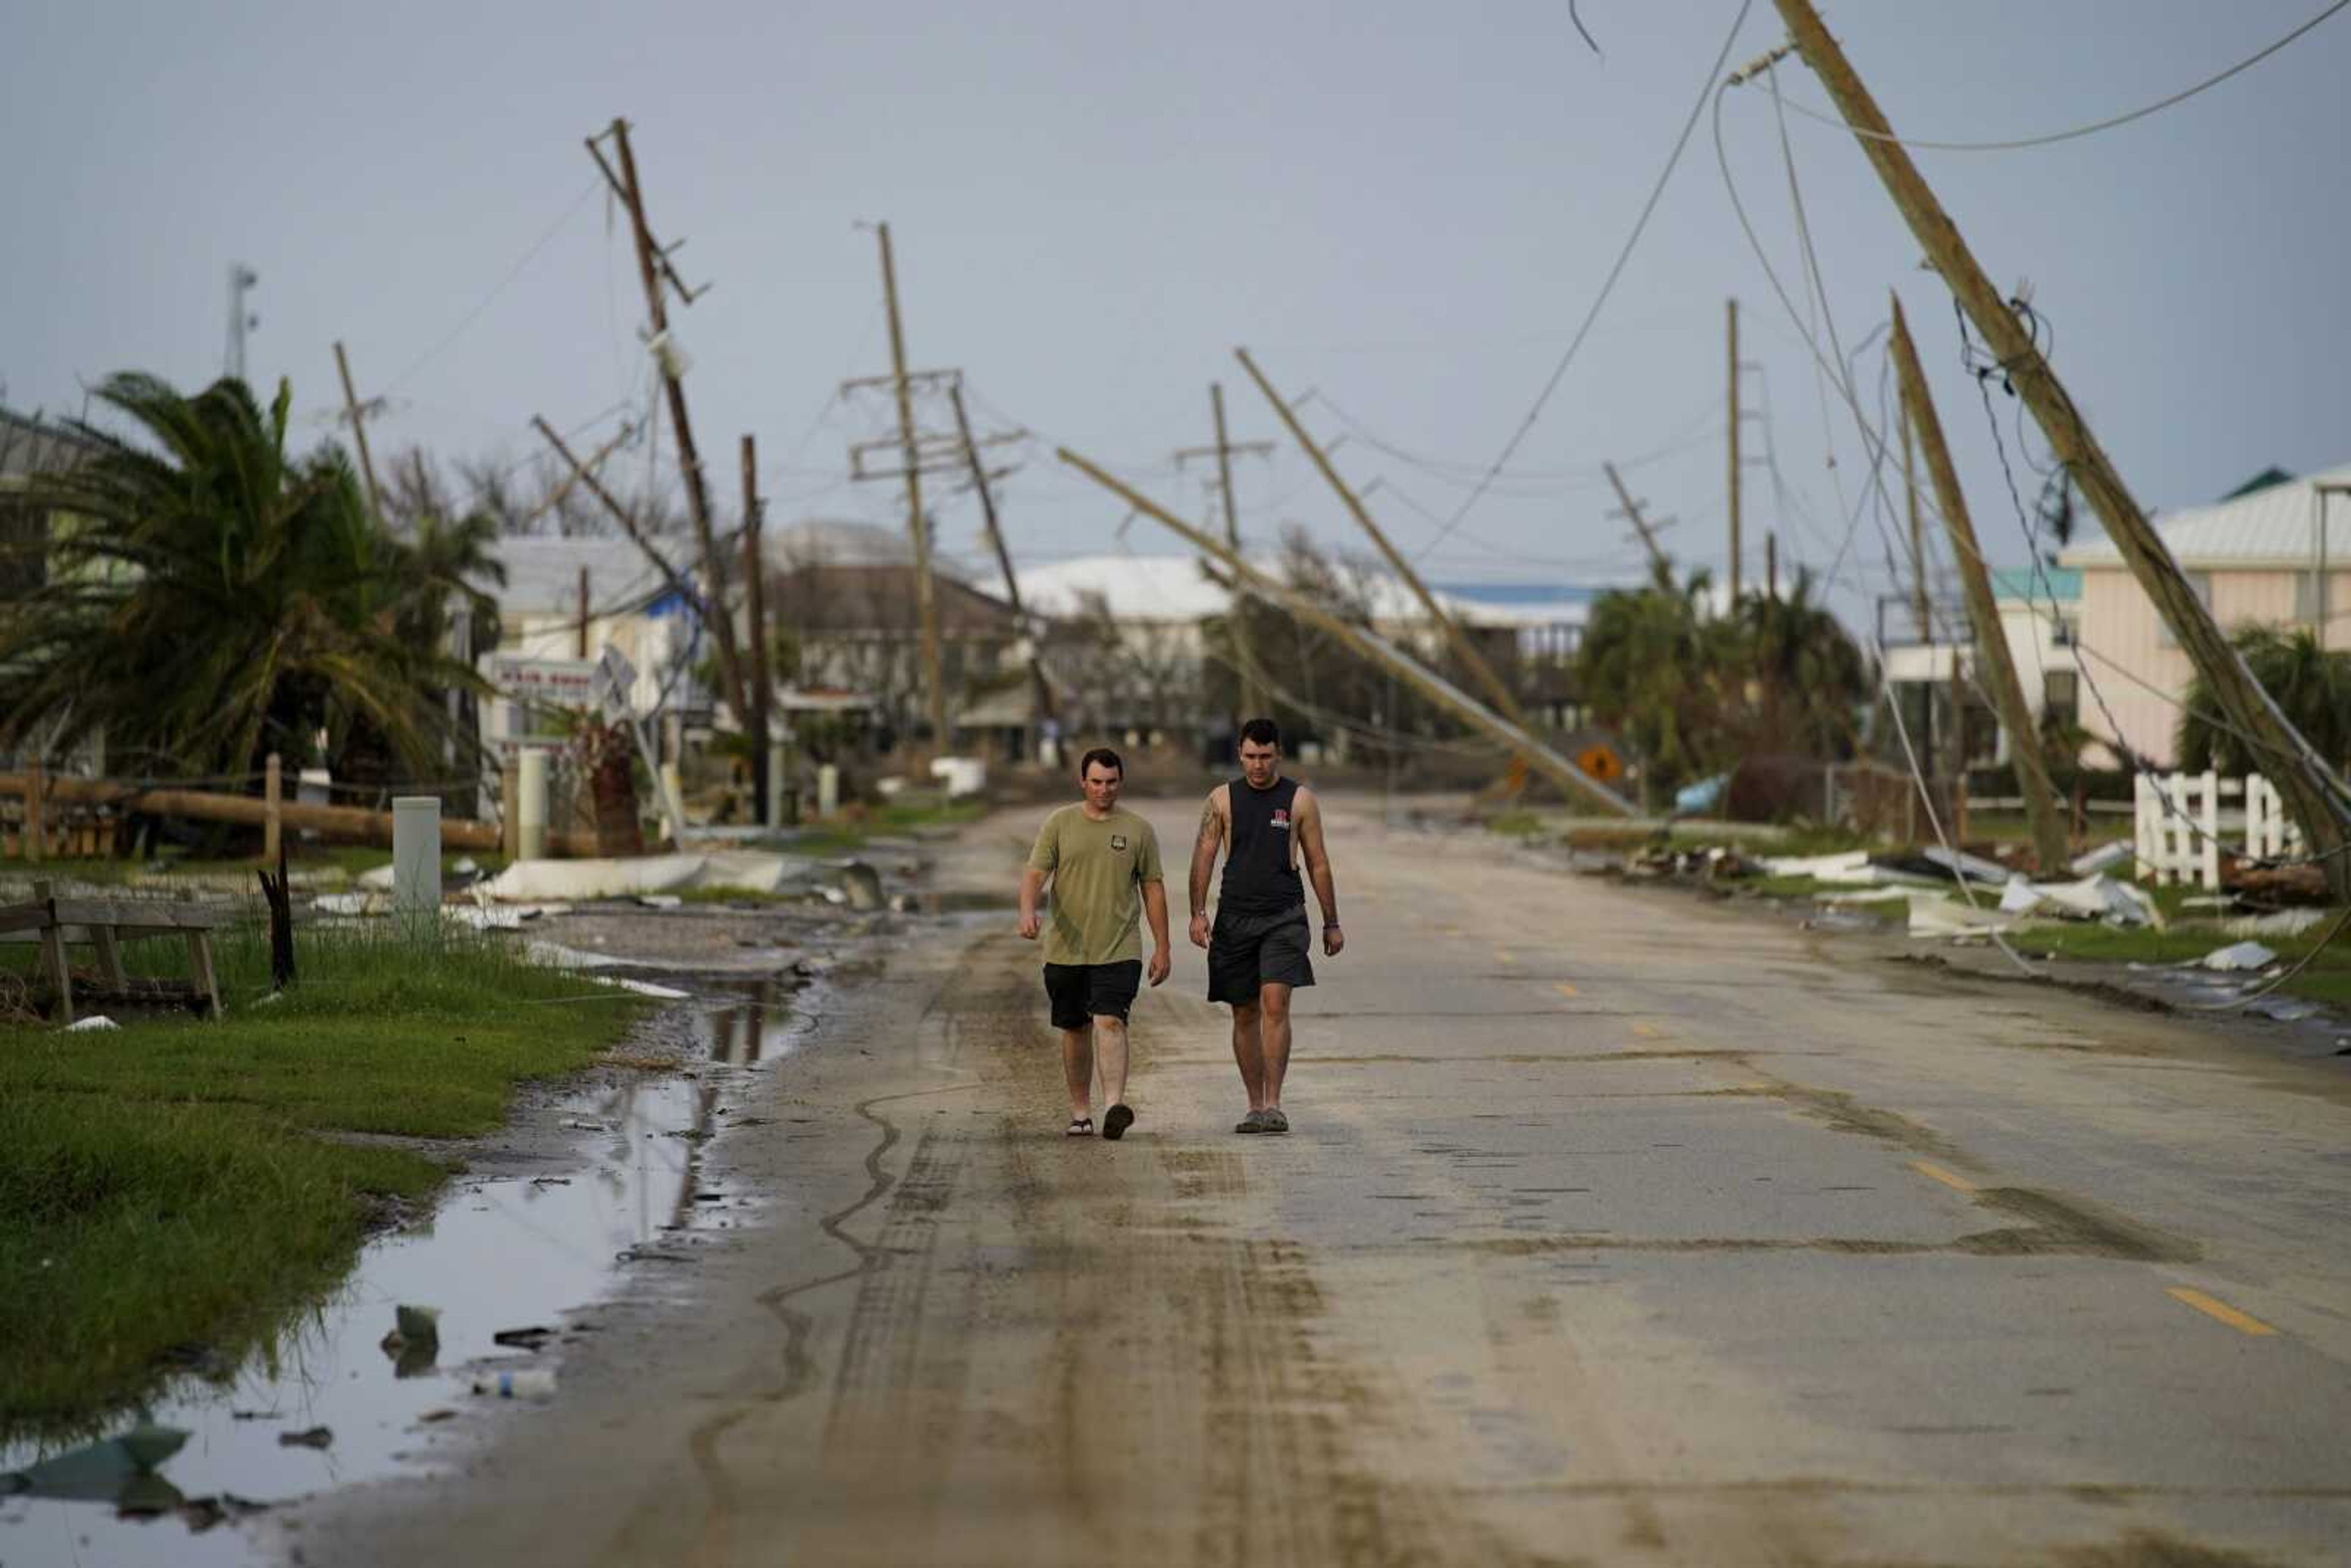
(1098,870)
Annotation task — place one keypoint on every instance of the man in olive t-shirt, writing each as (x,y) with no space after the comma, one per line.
(1104,866)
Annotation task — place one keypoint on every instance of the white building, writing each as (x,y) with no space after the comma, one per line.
(2039,619)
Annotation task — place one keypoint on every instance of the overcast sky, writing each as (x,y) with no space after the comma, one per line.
(1408,208)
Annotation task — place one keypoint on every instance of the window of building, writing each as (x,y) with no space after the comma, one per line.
(2061,696)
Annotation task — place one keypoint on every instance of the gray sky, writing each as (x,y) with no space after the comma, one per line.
(1409,207)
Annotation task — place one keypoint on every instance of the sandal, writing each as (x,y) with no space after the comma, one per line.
(1083,1127)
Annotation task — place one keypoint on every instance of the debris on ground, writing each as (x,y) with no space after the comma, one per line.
(532,1338)
(95,1021)
(537,881)
(522,1382)
(2106,857)
(312,1437)
(2239,955)
(111,1470)
(2278,922)
(2276,886)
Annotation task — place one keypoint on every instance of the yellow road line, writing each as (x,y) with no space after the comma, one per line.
(1937,1173)
(1503,956)
(1648,1030)
(2220,1309)
(1564,989)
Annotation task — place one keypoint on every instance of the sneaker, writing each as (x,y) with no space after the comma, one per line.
(1272,1121)
(1252,1122)
(1115,1121)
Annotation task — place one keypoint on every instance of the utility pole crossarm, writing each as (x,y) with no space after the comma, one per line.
(1411,671)
(1993,660)
(2315,794)
(1463,648)
(1633,511)
(621,514)
(685,296)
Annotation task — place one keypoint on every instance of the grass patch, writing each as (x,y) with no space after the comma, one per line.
(854,829)
(1515,824)
(165,1183)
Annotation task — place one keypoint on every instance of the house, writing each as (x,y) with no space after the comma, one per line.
(845,598)
(2258,557)
(2040,620)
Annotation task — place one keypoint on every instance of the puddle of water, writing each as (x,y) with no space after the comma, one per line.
(499,1254)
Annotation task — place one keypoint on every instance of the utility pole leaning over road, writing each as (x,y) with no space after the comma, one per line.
(1919,605)
(1467,651)
(1439,691)
(1042,692)
(1630,509)
(652,264)
(926,592)
(1252,701)
(755,574)
(1994,663)
(358,433)
(1731,315)
(2312,791)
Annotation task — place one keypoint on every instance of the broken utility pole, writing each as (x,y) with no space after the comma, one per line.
(1630,509)
(1252,700)
(2309,784)
(652,264)
(1376,650)
(755,574)
(671,575)
(1993,663)
(1919,604)
(358,433)
(1505,701)
(926,592)
(1039,687)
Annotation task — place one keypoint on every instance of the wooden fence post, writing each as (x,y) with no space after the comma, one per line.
(53,951)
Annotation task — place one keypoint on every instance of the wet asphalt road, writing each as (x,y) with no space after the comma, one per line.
(1615,1228)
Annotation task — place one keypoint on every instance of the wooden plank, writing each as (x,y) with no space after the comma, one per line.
(151,913)
(110,955)
(200,968)
(25,917)
(52,956)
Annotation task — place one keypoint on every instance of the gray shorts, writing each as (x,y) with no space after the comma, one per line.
(1246,951)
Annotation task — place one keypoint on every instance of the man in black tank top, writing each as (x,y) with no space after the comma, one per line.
(1267,826)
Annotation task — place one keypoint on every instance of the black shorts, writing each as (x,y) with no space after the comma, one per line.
(1245,951)
(1082,993)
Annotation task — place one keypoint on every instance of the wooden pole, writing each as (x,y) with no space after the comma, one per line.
(621,515)
(917,525)
(510,809)
(1640,524)
(1044,693)
(755,582)
(1252,701)
(1732,318)
(273,829)
(1993,663)
(1411,671)
(1772,566)
(697,495)
(579,643)
(1919,604)
(359,434)
(2315,794)
(1463,649)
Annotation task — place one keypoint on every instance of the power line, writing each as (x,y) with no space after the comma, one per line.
(1607,286)
(504,284)
(2079,130)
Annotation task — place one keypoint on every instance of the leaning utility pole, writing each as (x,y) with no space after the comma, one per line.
(621,514)
(1919,604)
(1732,310)
(650,265)
(2309,784)
(755,575)
(1376,650)
(1042,690)
(1993,663)
(1632,511)
(925,593)
(1252,702)
(1467,651)
(358,433)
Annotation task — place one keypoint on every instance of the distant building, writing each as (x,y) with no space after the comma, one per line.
(2256,557)
(2039,619)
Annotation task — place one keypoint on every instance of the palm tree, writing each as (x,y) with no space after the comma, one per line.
(1807,678)
(212,600)
(2311,685)
(1651,667)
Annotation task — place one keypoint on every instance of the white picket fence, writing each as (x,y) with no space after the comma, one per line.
(2181,841)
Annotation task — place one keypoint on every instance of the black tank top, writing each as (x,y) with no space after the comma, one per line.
(1259,877)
